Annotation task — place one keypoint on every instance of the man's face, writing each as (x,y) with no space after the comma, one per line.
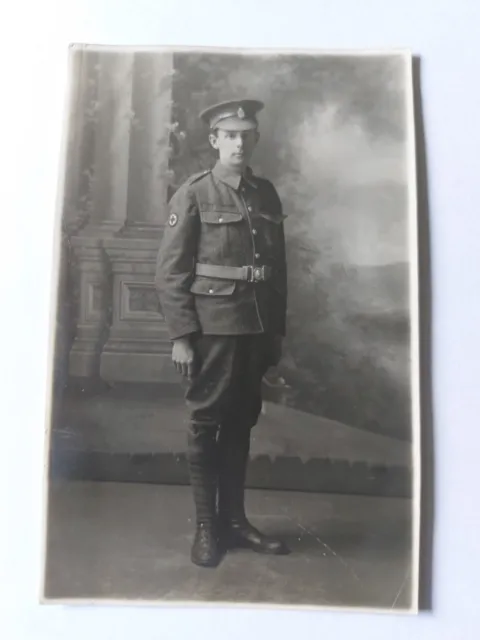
(235,148)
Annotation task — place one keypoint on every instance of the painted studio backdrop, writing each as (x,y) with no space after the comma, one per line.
(335,142)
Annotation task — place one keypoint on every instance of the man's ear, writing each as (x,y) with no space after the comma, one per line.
(212,138)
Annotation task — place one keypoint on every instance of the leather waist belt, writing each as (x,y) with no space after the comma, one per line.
(248,273)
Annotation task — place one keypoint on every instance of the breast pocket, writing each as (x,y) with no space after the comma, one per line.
(221,235)
(275,218)
(271,229)
(220,217)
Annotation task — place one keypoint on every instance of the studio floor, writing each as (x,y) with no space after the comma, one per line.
(132,542)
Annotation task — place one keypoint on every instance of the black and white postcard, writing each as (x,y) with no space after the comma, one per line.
(235,404)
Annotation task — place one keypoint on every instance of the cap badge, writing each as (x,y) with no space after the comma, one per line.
(173,219)
(241,113)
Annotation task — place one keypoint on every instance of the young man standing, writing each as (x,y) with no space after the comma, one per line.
(221,279)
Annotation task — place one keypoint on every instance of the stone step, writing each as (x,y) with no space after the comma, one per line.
(116,437)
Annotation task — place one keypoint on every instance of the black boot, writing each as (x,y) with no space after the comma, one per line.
(203,468)
(236,530)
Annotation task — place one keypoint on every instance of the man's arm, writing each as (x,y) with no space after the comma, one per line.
(175,268)
(280,261)
(282,278)
(282,286)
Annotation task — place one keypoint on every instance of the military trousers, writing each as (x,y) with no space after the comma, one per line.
(226,388)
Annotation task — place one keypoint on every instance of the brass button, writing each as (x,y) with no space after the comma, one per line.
(257,255)
(254,231)
(249,208)
(220,219)
(210,291)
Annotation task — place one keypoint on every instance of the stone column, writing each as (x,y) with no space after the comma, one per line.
(79,152)
(72,214)
(138,348)
(149,142)
(110,116)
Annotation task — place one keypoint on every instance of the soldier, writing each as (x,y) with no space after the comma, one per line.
(221,279)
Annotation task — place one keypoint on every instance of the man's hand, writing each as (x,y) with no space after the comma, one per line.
(183,356)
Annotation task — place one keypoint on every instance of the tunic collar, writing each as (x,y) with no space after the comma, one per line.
(223,173)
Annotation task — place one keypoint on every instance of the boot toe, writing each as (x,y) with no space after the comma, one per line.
(278,547)
(205,559)
(205,549)
(247,536)
(266,544)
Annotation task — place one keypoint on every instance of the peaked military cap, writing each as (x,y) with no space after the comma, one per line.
(234,115)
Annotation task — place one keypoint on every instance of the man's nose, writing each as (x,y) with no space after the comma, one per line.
(240,142)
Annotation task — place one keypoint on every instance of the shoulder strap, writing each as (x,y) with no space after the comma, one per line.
(197,176)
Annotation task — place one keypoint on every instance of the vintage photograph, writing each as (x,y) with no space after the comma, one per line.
(235,411)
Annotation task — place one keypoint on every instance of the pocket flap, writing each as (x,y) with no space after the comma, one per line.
(212,286)
(219,216)
(277,218)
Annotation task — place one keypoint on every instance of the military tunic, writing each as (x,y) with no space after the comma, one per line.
(220,219)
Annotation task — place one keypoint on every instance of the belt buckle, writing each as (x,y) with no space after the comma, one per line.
(258,274)
(255,274)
